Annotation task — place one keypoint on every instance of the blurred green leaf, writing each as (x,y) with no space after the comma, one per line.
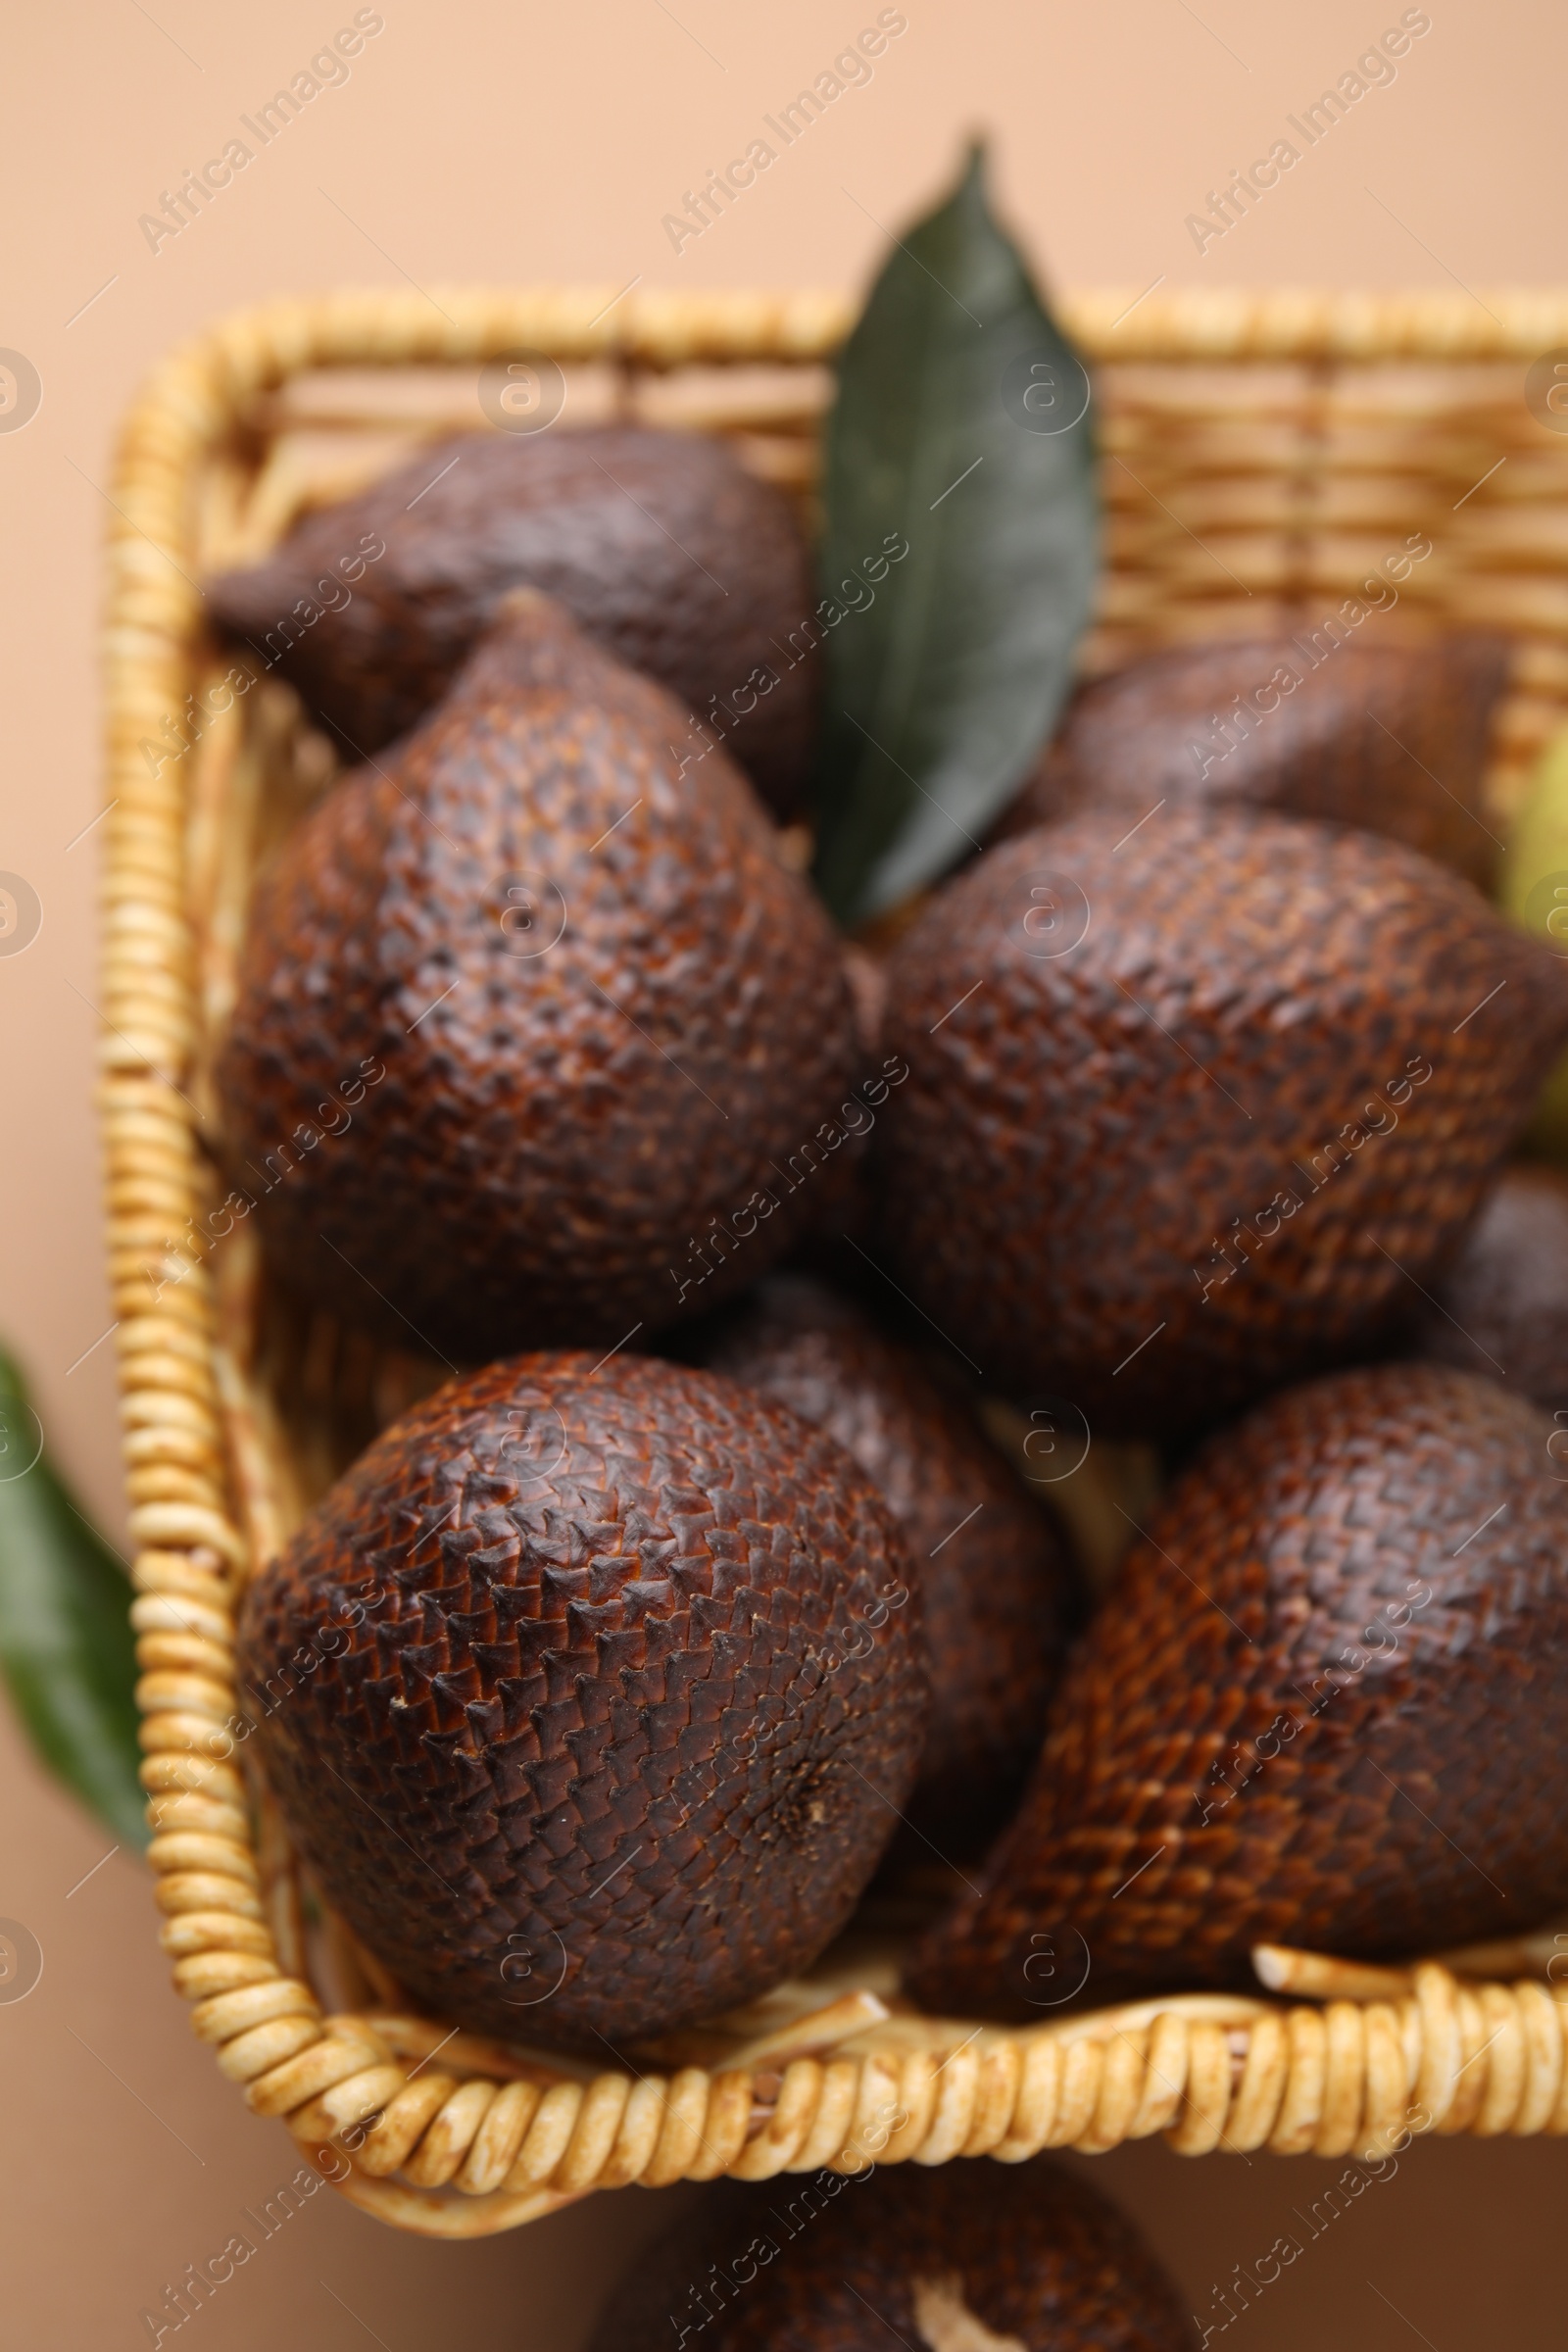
(961,430)
(66,1651)
(1533,888)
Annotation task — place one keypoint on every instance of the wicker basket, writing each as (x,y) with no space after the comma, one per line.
(1262,457)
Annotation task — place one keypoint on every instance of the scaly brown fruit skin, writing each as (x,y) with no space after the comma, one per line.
(546,1688)
(1324,1705)
(556,1130)
(994,1573)
(912,2255)
(665,549)
(1209,1148)
(1501,1305)
(1393,737)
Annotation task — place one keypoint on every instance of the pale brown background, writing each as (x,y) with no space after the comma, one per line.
(511,143)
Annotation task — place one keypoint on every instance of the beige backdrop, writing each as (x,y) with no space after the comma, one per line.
(509,143)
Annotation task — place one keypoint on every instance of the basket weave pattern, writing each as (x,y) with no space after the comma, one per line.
(1263,455)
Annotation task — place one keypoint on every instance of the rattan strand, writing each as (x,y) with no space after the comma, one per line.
(459,2150)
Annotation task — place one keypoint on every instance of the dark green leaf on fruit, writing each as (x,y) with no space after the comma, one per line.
(960,554)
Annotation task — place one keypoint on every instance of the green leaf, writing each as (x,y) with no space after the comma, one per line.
(944,675)
(66,1651)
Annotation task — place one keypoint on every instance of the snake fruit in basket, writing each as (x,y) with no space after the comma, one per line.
(662,545)
(605,1017)
(1194,1106)
(964,2257)
(1501,1306)
(1393,737)
(1324,1705)
(555,1693)
(994,1574)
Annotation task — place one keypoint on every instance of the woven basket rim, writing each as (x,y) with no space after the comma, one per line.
(1363,2058)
